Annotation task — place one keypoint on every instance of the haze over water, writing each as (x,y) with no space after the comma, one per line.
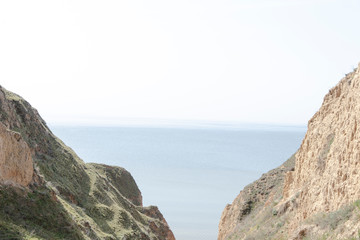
(190,173)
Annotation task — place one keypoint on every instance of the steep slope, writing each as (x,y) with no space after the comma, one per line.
(48,192)
(319,198)
(252,210)
(16,164)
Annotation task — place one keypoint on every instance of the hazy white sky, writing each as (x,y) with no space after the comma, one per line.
(268,61)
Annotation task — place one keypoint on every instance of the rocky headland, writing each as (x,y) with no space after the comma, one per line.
(48,192)
(316,193)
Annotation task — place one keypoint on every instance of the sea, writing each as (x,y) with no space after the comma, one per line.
(190,172)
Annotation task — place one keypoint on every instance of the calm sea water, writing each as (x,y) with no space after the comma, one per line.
(189,173)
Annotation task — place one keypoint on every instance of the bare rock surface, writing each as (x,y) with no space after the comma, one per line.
(327,173)
(319,198)
(16,163)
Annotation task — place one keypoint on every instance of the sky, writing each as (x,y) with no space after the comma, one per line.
(104,62)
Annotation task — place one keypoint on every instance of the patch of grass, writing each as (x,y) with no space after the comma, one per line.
(121,180)
(9,232)
(332,220)
(357,204)
(35,211)
(12,96)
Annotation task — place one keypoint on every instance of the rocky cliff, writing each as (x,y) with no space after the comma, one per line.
(16,165)
(48,192)
(317,196)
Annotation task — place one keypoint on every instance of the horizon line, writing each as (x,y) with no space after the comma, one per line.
(180,123)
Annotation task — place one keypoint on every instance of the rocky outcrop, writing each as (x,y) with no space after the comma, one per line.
(154,212)
(16,165)
(327,173)
(121,180)
(56,195)
(320,197)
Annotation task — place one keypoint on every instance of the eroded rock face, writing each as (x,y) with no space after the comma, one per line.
(16,164)
(319,198)
(326,174)
(161,230)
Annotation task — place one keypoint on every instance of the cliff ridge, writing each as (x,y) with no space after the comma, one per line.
(48,192)
(319,197)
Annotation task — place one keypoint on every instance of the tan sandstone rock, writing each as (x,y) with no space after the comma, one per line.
(16,165)
(326,174)
(320,195)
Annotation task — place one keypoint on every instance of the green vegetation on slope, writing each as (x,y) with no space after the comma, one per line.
(68,198)
(25,212)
